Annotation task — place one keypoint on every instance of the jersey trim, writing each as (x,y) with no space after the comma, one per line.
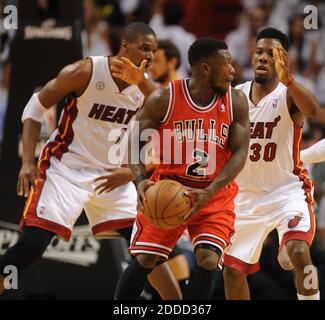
(64,137)
(192,104)
(302,174)
(299,170)
(113,225)
(171,103)
(240,265)
(230,105)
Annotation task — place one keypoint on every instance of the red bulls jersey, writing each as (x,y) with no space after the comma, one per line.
(192,146)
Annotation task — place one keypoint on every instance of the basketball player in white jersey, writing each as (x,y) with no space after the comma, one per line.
(274,189)
(77,151)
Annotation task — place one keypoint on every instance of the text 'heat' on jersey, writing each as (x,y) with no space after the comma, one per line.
(273,162)
(82,138)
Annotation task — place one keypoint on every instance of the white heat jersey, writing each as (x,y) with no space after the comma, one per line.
(273,163)
(83,137)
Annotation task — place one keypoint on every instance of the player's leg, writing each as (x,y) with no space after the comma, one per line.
(52,208)
(201,283)
(133,278)
(210,230)
(296,231)
(117,210)
(30,247)
(163,280)
(162,277)
(149,244)
(306,278)
(242,257)
(165,276)
(236,284)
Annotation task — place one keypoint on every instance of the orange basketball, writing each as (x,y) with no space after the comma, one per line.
(166,204)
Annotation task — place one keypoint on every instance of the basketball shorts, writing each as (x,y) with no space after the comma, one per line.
(62,194)
(213,225)
(256,216)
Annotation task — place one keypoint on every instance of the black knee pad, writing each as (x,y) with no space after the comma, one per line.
(209,247)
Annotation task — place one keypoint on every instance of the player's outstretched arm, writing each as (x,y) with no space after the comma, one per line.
(238,141)
(150,117)
(314,154)
(72,79)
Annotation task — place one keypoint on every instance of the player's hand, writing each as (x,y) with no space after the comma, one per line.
(199,197)
(116,178)
(28,176)
(142,188)
(127,71)
(282,64)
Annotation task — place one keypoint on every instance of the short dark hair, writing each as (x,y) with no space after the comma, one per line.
(134,30)
(272,33)
(170,51)
(204,48)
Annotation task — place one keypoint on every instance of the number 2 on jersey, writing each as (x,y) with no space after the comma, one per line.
(195,169)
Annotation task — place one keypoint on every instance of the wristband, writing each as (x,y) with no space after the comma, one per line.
(290,81)
(139,178)
(34,109)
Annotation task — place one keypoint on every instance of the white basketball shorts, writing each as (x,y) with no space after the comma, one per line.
(62,194)
(256,216)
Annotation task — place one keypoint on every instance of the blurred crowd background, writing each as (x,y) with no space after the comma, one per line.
(235,21)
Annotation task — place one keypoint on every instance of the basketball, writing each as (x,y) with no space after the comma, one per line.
(166,204)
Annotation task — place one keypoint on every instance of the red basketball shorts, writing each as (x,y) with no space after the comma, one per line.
(213,225)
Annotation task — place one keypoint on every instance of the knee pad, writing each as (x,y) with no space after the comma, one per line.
(209,247)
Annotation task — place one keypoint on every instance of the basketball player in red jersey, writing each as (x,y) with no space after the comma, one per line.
(77,152)
(206,110)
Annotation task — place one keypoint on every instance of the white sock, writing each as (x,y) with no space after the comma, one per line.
(312,297)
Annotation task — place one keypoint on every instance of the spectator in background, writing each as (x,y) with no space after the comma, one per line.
(321,217)
(137,10)
(320,78)
(4,92)
(165,63)
(95,36)
(277,11)
(5,38)
(241,42)
(110,11)
(166,22)
(304,51)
